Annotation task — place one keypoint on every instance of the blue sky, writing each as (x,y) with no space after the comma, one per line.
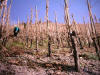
(21,9)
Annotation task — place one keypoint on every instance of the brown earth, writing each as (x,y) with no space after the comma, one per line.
(28,62)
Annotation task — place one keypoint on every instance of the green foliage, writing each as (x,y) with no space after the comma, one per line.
(15,43)
(89,56)
(94,57)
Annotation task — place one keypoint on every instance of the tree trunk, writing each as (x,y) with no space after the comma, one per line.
(36,43)
(98,40)
(75,54)
(80,44)
(0,31)
(49,46)
(96,47)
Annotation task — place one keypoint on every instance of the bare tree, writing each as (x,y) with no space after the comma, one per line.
(57,37)
(86,32)
(79,40)
(93,31)
(31,16)
(96,20)
(36,23)
(71,36)
(3,16)
(48,35)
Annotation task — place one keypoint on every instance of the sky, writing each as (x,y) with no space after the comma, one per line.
(22,8)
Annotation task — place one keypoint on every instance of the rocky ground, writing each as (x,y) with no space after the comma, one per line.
(29,62)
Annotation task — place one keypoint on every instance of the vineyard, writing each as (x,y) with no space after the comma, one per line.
(49,48)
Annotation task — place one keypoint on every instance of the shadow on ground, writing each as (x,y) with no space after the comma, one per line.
(6,72)
(62,67)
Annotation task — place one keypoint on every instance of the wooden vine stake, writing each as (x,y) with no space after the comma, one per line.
(48,35)
(3,16)
(96,21)
(71,36)
(93,32)
(86,33)
(57,37)
(26,31)
(31,16)
(79,40)
(8,19)
(36,24)
(31,41)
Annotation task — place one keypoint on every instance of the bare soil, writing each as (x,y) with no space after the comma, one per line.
(28,62)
